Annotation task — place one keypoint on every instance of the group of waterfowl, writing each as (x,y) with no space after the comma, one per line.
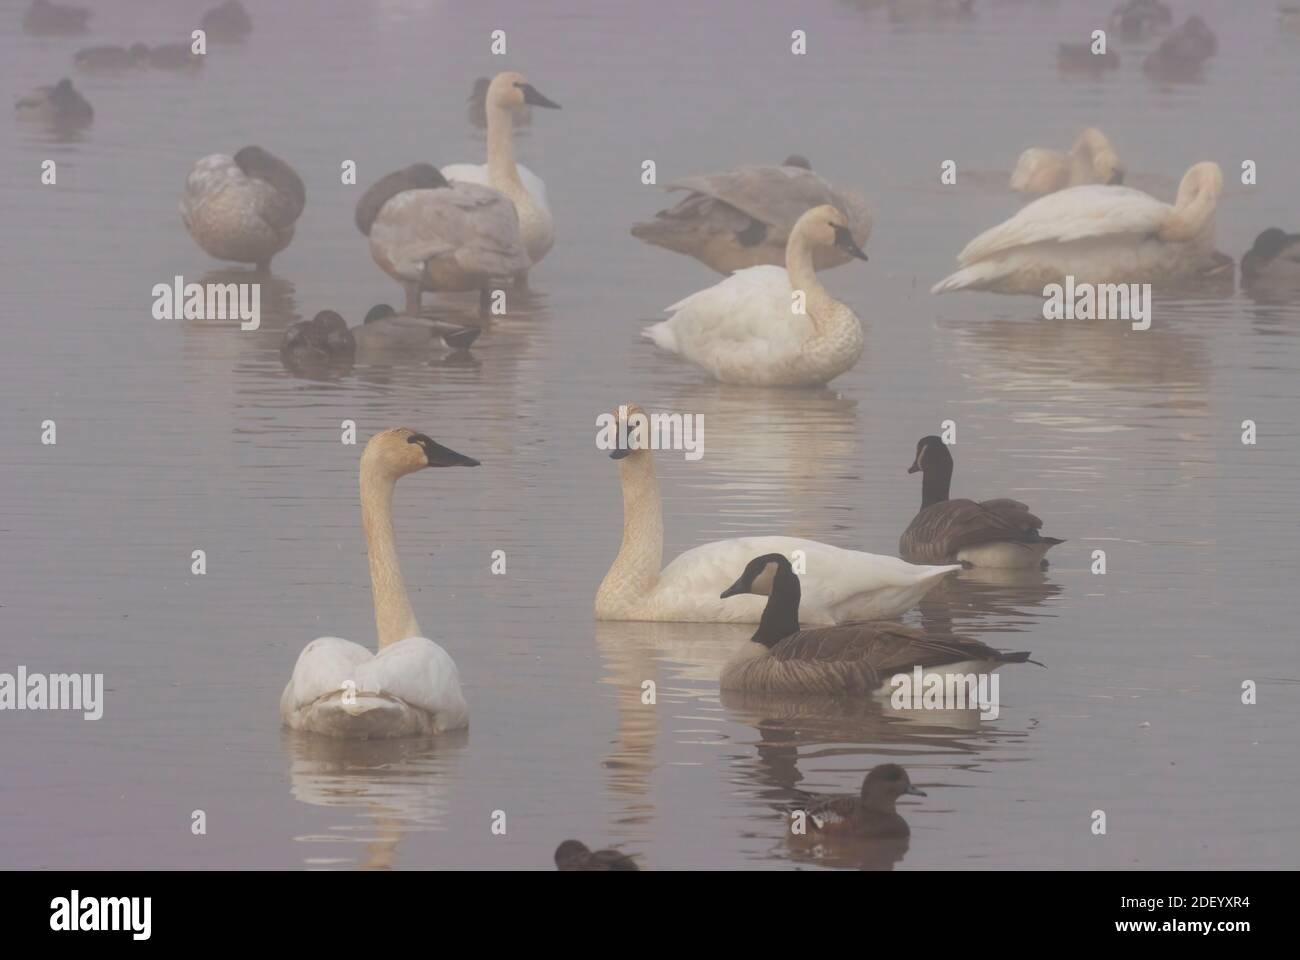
(1180,56)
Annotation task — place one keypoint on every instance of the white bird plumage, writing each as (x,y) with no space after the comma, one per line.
(1097,234)
(748,328)
(839,584)
(411,687)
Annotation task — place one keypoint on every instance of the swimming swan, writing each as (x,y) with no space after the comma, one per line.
(743,217)
(411,686)
(1092,159)
(243,208)
(748,329)
(429,234)
(841,584)
(850,658)
(995,533)
(507,93)
(1098,234)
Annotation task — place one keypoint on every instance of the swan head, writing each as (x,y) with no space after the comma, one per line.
(931,453)
(401,450)
(631,414)
(760,576)
(828,226)
(512,90)
(885,784)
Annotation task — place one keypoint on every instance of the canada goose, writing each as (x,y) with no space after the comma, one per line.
(1079,58)
(476,111)
(573,855)
(111,58)
(429,234)
(243,208)
(175,56)
(60,105)
(1182,54)
(841,584)
(1098,234)
(411,686)
(743,217)
(857,658)
(228,22)
(868,815)
(1275,254)
(753,329)
(995,533)
(1092,159)
(45,19)
(506,93)
(1137,19)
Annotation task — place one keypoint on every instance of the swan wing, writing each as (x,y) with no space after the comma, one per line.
(1092,211)
(477,226)
(419,672)
(777,196)
(323,667)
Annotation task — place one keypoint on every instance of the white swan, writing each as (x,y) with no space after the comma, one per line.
(751,329)
(411,686)
(1092,159)
(1098,234)
(243,208)
(506,94)
(429,234)
(839,584)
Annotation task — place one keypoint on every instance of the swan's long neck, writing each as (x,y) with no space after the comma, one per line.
(635,570)
(394,618)
(1193,212)
(837,334)
(503,174)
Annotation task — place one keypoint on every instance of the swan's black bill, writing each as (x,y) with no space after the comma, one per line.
(844,240)
(534,98)
(438,455)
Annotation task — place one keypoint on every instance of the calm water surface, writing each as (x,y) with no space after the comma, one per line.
(176,435)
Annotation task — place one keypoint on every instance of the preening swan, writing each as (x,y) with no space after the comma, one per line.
(574,855)
(411,686)
(870,814)
(429,234)
(748,329)
(507,93)
(995,533)
(1092,159)
(243,208)
(59,105)
(850,658)
(1098,234)
(841,584)
(743,217)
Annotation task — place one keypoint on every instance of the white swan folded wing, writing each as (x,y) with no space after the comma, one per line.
(412,686)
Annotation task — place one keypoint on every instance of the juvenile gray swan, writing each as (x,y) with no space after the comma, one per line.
(995,533)
(243,208)
(871,813)
(743,217)
(855,658)
(573,855)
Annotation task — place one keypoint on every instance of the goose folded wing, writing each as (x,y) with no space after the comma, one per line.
(1079,213)
(954,524)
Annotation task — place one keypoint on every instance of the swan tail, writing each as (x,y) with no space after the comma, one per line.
(975,277)
(364,716)
(661,335)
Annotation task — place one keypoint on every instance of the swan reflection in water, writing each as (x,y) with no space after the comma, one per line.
(383,790)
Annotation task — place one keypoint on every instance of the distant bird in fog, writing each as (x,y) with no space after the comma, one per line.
(243,208)
(1092,159)
(60,105)
(573,855)
(111,58)
(1079,58)
(175,56)
(318,345)
(1138,19)
(743,217)
(1181,55)
(45,19)
(506,93)
(1272,265)
(227,23)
